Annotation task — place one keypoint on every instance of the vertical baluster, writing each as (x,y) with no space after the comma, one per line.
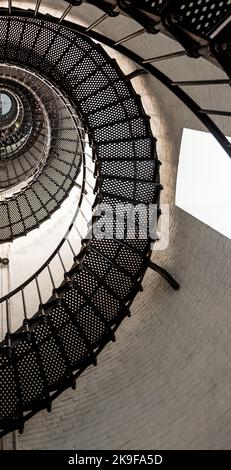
(89,184)
(38,290)
(25,321)
(51,277)
(52,282)
(90,170)
(24,306)
(37,7)
(62,263)
(64,268)
(8,324)
(41,309)
(130,36)
(87,221)
(77,185)
(65,13)
(97,22)
(88,200)
(71,247)
(88,154)
(77,230)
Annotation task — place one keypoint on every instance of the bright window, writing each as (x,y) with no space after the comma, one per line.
(204,180)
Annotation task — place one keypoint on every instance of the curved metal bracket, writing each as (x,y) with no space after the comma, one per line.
(165,274)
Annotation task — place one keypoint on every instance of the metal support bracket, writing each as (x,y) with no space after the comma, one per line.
(165,274)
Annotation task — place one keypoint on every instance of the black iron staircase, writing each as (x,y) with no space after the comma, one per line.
(53,347)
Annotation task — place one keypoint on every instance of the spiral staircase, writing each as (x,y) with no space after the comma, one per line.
(66,94)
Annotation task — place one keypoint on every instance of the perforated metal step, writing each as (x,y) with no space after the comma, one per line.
(40,167)
(68,332)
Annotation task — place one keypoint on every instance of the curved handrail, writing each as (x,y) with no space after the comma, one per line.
(139,60)
(21,188)
(163,78)
(83,191)
(48,261)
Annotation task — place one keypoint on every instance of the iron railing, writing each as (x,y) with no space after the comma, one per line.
(106,275)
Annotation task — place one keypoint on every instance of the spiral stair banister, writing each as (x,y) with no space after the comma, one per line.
(19,171)
(167,82)
(73,342)
(107,274)
(190,22)
(25,213)
(25,112)
(73,227)
(147,64)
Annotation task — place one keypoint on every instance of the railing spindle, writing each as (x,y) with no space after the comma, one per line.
(51,276)
(38,3)
(38,290)
(97,22)
(65,13)
(71,247)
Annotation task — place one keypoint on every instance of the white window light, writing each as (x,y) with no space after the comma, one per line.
(204,180)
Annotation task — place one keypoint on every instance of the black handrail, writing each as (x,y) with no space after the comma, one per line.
(141,61)
(59,246)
